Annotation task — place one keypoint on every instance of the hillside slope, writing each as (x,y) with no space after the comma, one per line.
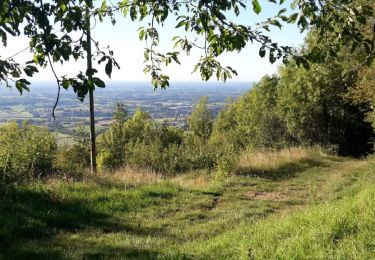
(279,206)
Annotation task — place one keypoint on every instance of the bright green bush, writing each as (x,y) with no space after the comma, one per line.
(26,152)
(252,121)
(200,121)
(140,142)
(197,152)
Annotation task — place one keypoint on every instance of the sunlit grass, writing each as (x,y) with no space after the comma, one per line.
(343,229)
(132,176)
(271,160)
(138,214)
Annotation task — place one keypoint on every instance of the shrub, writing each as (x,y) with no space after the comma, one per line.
(197,152)
(26,152)
(226,163)
(141,143)
(71,160)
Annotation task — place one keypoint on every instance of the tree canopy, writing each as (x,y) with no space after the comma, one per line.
(49,26)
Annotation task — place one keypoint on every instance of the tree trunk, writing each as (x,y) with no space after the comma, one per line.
(91,94)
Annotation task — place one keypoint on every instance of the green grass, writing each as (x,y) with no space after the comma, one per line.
(323,208)
(342,227)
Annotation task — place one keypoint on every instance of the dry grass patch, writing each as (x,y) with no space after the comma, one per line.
(272,159)
(199,179)
(268,196)
(279,164)
(132,176)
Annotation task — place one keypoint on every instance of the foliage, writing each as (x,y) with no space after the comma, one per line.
(112,141)
(26,152)
(197,152)
(140,127)
(200,121)
(363,90)
(205,20)
(339,25)
(50,28)
(316,107)
(71,160)
(252,120)
(74,159)
(226,162)
(140,142)
(302,106)
(155,157)
(119,114)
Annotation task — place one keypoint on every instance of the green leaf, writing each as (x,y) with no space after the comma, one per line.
(293,18)
(262,52)
(295,3)
(65,83)
(141,33)
(276,23)
(180,24)
(108,68)
(98,82)
(146,54)
(282,11)
(30,70)
(22,85)
(90,72)
(256,7)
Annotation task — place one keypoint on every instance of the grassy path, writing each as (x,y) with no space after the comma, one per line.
(189,216)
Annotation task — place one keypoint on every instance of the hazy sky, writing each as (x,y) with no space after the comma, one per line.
(128,49)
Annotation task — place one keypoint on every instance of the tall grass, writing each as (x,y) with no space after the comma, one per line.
(269,160)
(278,164)
(133,176)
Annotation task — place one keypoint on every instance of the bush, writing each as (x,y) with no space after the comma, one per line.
(141,143)
(71,160)
(155,157)
(226,163)
(197,153)
(26,152)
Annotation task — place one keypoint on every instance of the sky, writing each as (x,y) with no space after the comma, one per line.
(128,50)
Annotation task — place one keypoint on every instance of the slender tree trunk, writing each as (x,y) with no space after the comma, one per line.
(91,94)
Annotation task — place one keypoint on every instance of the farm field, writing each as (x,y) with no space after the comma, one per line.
(172,107)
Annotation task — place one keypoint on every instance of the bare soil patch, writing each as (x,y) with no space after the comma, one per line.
(263,195)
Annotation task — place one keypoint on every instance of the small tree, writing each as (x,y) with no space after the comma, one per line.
(26,152)
(120,114)
(200,121)
(112,142)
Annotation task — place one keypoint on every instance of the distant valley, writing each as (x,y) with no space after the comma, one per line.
(171,106)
